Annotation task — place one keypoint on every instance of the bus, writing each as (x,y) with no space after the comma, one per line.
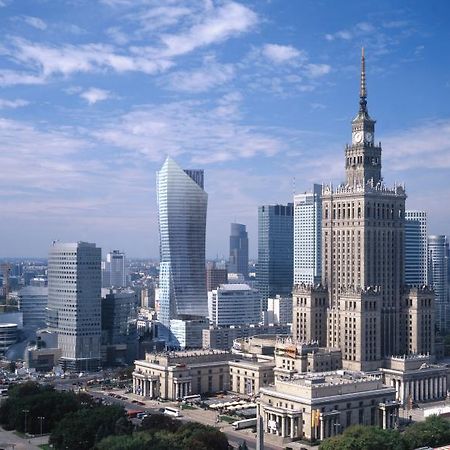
(172,411)
(245,423)
(133,413)
(192,398)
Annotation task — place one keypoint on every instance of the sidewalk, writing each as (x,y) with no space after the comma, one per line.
(10,440)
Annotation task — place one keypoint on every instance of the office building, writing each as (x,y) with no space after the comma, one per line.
(114,272)
(238,250)
(308,236)
(416,248)
(279,310)
(438,251)
(182,204)
(74,304)
(33,305)
(234,304)
(119,326)
(216,274)
(275,251)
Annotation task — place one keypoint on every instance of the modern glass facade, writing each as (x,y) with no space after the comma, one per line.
(238,250)
(416,248)
(438,252)
(275,251)
(308,236)
(182,204)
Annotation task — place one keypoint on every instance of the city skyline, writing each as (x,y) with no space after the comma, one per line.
(255,94)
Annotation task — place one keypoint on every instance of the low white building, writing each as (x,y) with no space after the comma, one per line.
(279,310)
(234,304)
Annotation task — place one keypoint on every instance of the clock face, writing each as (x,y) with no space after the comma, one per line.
(368,137)
(357,137)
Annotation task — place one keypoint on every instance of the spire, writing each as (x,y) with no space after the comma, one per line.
(363,90)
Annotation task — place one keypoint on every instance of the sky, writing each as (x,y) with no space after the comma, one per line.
(94,94)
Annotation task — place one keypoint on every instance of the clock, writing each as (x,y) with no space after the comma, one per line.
(357,137)
(368,137)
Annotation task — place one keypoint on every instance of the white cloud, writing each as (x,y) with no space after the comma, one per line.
(94,95)
(35,22)
(12,103)
(424,146)
(317,70)
(220,24)
(12,77)
(211,75)
(279,54)
(343,34)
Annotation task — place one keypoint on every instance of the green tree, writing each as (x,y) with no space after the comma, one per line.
(243,446)
(361,437)
(198,436)
(138,441)
(159,422)
(433,432)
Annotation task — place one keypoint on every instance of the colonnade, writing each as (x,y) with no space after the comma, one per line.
(281,424)
(146,387)
(421,389)
(181,389)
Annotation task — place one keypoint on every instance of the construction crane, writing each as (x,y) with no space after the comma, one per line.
(6,270)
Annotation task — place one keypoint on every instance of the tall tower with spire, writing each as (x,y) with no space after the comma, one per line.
(363,251)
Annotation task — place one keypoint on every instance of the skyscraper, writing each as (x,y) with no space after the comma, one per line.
(416,248)
(182,204)
(438,251)
(238,250)
(216,274)
(275,251)
(308,236)
(369,314)
(115,266)
(74,302)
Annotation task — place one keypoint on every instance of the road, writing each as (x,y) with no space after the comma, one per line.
(11,441)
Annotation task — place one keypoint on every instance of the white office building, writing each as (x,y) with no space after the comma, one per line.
(307,236)
(279,310)
(416,248)
(234,304)
(74,302)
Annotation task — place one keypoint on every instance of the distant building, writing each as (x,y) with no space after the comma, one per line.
(119,326)
(188,331)
(74,304)
(438,251)
(222,338)
(33,305)
(9,333)
(308,236)
(416,248)
(182,204)
(238,250)
(279,310)
(234,304)
(275,251)
(114,271)
(216,274)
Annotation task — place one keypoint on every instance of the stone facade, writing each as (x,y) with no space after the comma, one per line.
(248,376)
(320,405)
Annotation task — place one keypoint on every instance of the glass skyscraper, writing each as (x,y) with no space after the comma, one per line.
(275,251)
(238,250)
(182,204)
(416,248)
(438,251)
(308,236)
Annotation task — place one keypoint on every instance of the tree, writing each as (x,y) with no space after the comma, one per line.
(194,435)
(361,437)
(433,432)
(159,422)
(243,446)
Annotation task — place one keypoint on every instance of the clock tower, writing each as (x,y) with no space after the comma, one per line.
(362,157)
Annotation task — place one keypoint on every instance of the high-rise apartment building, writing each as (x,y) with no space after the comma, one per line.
(308,236)
(216,274)
(74,302)
(238,250)
(275,251)
(182,204)
(416,248)
(114,270)
(438,253)
(370,316)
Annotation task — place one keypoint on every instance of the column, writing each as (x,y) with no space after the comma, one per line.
(384,419)
(444,378)
(283,426)
(151,388)
(134,385)
(426,389)
(440,387)
(322,428)
(292,428)
(435,384)
(406,392)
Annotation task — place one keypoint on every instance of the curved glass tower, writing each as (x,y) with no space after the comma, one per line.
(182,204)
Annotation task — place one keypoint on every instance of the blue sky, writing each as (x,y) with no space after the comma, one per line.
(260,94)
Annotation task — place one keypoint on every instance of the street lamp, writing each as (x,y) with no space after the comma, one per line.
(25,411)
(41,418)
